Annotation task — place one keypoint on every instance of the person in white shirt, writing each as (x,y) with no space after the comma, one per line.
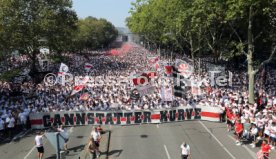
(10,121)
(39,144)
(185,150)
(96,136)
(260,124)
(253,135)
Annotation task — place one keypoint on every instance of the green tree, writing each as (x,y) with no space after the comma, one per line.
(94,33)
(26,25)
(227,28)
(257,15)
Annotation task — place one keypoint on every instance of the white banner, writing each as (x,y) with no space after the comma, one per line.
(166,94)
(44,120)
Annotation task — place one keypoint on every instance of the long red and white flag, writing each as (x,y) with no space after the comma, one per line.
(80,86)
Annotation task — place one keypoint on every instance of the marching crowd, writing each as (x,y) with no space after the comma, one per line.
(113,90)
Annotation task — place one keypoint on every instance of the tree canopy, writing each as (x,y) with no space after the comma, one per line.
(220,29)
(207,26)
(27,24)
(94,33)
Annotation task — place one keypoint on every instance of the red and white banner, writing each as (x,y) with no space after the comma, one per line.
(80,86)
(44,120)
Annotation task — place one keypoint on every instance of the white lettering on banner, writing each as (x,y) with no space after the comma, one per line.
(44,120)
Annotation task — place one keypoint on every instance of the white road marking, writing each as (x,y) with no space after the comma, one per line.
(167,152)
(28,154)
(157,125)
(252,153)
(229,153)
(71,130)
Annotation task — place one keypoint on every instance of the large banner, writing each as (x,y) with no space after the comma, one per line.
(44,120)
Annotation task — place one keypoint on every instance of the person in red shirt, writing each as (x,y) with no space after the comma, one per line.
(265,149)
(238,132)
(230,118)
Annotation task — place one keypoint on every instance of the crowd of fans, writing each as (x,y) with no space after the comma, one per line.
(112,91)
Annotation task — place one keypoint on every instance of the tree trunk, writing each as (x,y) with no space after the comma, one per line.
(250,67)
(192,49)
(33,58)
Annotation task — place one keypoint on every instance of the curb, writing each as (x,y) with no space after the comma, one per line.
(21,135)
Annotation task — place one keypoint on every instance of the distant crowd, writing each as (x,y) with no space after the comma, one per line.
(258,119)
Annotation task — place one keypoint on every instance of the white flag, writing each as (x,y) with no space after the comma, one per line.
(63,68)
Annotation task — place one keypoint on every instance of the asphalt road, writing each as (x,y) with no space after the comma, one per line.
(207,141)
(24,148)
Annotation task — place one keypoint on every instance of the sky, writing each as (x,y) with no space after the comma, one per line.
(115,11)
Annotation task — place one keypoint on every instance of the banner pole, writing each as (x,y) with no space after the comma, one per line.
(58,149)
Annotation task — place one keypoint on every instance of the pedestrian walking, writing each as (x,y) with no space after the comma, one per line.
(96,136)
(91,148)
(185,151)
